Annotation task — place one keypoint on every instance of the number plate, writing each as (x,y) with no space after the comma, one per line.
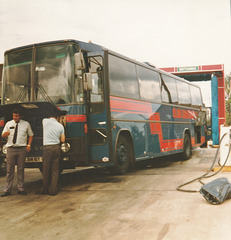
(33,159)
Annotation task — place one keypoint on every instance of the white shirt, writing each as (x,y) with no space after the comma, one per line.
(52,130)
(24,130)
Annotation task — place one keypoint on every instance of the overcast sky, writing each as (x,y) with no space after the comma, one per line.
(164,32)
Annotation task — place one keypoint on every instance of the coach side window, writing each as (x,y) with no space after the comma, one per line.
(184,93)
(168,90)
(196,96)
(149,82)
(122,75)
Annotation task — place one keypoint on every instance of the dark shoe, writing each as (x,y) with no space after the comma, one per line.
(41,193)
(6,194)
(52,194)
(22,192)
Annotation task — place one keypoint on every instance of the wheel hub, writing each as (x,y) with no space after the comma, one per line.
(122,154)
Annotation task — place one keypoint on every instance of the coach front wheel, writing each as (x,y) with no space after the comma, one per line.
(123,155)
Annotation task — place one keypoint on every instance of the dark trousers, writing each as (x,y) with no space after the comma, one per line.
(15,156)
(51,157)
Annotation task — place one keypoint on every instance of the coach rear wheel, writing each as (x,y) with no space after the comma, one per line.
(187,150)
(123,155)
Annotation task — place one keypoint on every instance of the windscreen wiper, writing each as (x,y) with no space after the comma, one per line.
(44,94)
(25,91)
(39,88)
(22,94)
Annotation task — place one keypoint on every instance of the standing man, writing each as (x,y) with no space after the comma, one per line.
(53,134)
(16,132)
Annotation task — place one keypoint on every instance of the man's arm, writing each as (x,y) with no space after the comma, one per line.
(28,147)
(62,138)
(5,134)
(6,131)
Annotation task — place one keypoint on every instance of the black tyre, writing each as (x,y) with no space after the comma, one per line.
(124,155)
(187,149)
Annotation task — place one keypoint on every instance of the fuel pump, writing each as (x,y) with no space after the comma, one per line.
(224,145)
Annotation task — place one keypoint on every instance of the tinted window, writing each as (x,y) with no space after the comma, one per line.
(183,93)
(122,75)
(168,89)
(196,96)
(149,83)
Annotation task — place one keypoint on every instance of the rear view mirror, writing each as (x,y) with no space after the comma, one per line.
(79,61)
(201,118)
(87,78)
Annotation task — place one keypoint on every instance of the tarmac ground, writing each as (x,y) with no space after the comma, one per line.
(140,205)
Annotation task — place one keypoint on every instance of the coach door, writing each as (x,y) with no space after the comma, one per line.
(97,117)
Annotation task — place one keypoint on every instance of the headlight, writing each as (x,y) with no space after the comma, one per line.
(65,147)
(4,149)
